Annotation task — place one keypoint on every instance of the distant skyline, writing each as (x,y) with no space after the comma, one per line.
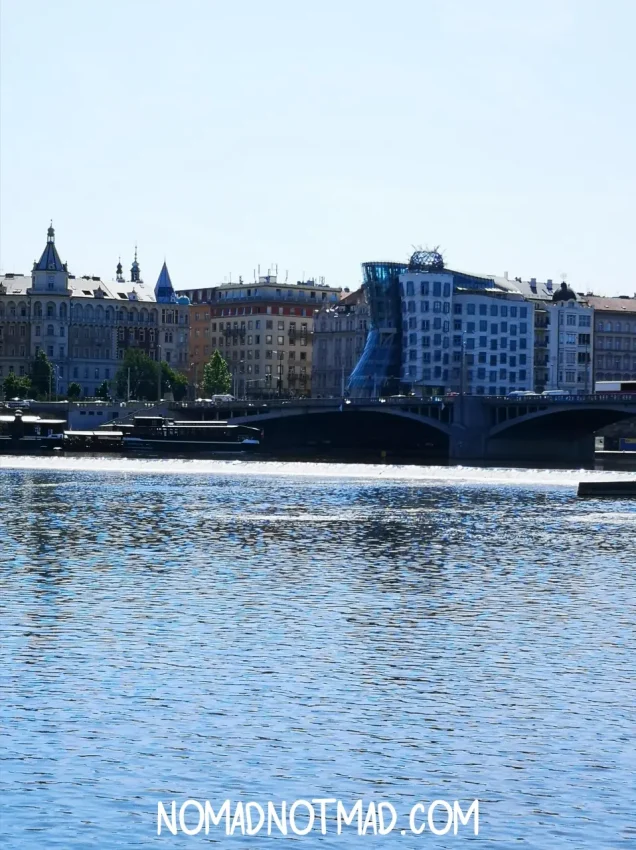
(319,136)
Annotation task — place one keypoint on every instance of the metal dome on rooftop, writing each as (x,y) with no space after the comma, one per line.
(564,294)
(426,261)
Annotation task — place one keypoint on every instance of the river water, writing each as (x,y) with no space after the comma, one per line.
(270,631)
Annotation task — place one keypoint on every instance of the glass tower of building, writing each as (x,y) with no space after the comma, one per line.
(378,370)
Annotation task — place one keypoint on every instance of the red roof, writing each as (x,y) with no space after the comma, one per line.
(616,305)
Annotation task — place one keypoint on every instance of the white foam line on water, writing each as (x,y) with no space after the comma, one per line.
(373,472)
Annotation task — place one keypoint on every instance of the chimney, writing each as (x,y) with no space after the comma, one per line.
(506,275)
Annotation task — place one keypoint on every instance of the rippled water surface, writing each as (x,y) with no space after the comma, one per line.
(176,630)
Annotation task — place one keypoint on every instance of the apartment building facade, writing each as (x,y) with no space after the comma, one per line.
(85,324)
(263,330)
(614,338)
(340,333)
(464,333)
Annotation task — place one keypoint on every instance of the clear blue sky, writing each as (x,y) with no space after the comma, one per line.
(318,135)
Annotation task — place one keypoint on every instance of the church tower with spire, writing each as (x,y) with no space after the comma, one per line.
(135,271)
(50,274)
(120,272)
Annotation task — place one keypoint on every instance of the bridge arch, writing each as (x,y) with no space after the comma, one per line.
(578,420)
(279,413)
(356,430)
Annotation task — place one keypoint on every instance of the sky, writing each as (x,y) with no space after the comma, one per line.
(315,136)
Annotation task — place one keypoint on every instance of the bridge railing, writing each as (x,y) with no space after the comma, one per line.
(586,398)
(240,404)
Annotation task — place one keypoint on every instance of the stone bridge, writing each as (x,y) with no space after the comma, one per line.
(462,428)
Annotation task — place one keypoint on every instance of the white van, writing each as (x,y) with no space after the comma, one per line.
(221,399)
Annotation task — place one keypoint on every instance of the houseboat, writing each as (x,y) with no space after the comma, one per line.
(93,441)
(158,433)
(20,432)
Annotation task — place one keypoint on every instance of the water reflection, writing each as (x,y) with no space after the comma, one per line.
(217,635)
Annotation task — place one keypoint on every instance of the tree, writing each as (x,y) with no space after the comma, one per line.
(217,379)
(74,390)
(15,387)
(41,374)
(103,390)
(176,382)
(143,376)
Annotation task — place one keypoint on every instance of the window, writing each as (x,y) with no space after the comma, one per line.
(437,288)
(268,339)
(281,326)
(470,309)
(280,340)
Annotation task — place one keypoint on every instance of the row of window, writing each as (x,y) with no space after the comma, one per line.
(250,311)
(616,343)
(493,359)
(503,310)
(584,321)
(436,288)
(616,327)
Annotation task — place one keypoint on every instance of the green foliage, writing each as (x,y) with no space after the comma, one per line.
(144,375)
(217,379)
(74,390)
(15,387)
(174,381)
(103,390)
(41,374)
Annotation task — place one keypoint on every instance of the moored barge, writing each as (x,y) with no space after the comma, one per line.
(158,433)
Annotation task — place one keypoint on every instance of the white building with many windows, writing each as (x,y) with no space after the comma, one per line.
(465,333)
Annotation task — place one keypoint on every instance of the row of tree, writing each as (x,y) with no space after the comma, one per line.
(138,377)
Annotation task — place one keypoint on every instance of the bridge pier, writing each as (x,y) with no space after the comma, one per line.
(560,450)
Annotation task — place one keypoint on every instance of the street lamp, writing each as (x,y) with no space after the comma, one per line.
(235,366)
(194,366)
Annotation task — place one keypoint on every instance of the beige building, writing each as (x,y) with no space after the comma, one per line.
(340,333)
(264,331)
(85,324)
(614,338)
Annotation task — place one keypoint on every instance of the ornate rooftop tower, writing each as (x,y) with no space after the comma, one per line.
(135,271)
(50,273)
(164,291)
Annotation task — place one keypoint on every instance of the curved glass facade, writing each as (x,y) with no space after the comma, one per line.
(377,371)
